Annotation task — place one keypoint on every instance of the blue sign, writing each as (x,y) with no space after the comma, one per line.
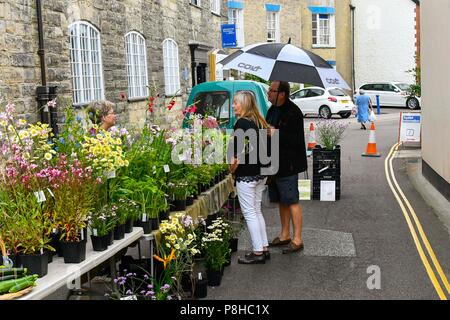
(411,119)
(229,36)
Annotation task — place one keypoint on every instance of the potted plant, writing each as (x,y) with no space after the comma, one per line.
(178,190)
(326,155)
(101,223)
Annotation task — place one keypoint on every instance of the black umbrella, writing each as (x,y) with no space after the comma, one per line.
(284,62)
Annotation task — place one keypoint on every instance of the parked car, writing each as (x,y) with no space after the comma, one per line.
(392,94)
(216,99)
(324,102)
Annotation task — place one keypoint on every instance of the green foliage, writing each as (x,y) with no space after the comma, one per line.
(252,77)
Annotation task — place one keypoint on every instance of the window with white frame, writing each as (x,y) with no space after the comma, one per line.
(215,6)
(273,27)
(86,63)
(236,16)
(136,65)
(196,2)
(323,30)
(171,67)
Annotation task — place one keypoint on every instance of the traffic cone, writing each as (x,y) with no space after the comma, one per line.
(312,137)
(372,145)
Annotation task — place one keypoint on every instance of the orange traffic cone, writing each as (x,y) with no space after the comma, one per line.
(372,145)
(312,137)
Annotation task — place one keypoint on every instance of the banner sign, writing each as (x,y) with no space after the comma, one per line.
(228,36)
(410,127)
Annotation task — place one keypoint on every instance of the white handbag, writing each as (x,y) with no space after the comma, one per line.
(372,116)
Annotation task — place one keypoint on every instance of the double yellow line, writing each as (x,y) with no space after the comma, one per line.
(402,201)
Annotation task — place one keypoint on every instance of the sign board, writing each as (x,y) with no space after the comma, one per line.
(228,36)
(304,189)
(327,190)
(410,127)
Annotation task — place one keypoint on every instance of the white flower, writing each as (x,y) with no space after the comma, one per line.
(48,156)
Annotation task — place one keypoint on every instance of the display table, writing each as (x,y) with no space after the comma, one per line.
(210,201)
(63,274)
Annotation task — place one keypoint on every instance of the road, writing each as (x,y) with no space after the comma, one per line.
(350,242)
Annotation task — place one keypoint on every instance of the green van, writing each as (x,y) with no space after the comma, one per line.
(216,99)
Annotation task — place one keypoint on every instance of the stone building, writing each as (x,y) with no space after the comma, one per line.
(320,26)
(106,49)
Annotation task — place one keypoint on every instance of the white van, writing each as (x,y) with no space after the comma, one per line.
(392,94)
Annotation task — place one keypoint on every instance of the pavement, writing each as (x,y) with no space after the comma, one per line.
(349,241)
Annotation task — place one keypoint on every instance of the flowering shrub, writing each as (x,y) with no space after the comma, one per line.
(215,244)
(102,221)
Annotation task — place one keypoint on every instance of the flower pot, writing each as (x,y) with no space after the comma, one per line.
(234,244)
(110,237)
(136,223)
(186,282)
(189,201)
(74,252)
(201,289)
(214,278)
(129,226)
(164,215)
(178,205)
(15,258)
(35,263)
(146,225)
(100,243)
(119,232)
(154,223)
(49,255)
(54,243)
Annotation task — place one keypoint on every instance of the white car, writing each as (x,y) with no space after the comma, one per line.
(392,94)
(324,102)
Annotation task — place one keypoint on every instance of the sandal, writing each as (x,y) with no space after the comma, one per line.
(277,242)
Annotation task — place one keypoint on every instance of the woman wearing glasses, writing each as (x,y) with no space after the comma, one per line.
(246,168)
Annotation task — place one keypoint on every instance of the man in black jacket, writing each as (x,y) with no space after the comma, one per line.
(286,117)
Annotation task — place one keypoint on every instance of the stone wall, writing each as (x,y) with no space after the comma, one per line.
(155,20)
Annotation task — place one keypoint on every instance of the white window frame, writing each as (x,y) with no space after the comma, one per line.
(215,6)
(273,26)
(171,67)
(236,16)
(325,36)
(86,63)
(136,62)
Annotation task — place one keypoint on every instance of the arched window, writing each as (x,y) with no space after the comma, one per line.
(136,65)
(86,63)
(171,67)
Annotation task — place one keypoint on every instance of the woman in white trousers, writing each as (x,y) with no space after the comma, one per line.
(246,168)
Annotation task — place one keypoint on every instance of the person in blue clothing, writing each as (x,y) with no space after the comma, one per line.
(363,103)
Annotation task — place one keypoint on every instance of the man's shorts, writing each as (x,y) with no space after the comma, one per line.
(284,190)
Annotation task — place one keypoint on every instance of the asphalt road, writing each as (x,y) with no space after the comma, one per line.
(349,241)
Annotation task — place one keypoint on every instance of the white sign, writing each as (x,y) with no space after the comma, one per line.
(304,189)
(410,127)
(327,190)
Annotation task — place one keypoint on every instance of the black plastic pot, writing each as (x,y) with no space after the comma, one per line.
(110,237)
(186,282)
(234,244)
(189,201)
(214,278)
(154,223)
(164,215)
(49,255)
(74,252)
(15,258)
(35,263)
(54,243)
(100,243)
(146,225)
(201,289)
(178,205)
(129,226)
(119,232)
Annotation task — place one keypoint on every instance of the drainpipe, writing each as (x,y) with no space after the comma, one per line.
(352,8)
(44,93)
(193,47)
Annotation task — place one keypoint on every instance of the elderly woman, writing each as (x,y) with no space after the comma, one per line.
(102,114)
(363,103)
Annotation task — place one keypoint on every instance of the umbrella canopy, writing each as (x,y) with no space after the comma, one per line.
(284,62)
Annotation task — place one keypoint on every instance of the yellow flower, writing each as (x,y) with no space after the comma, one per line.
(48,156)
(24,134)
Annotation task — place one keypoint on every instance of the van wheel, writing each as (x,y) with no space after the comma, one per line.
(412,103)
(325,112)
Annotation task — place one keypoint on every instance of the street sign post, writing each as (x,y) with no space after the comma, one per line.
(228,36)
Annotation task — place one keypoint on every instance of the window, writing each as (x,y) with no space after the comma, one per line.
(314,93)
(300,94)
(389,87)
(337,93)
(377,87)
(85,63)
(171,67)
(367,87)
(215,6)
(136,65)
(197,3)
(236,16)
(273,27)
(214,103)
(323,30)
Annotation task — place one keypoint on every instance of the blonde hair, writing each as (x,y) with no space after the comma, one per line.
(249,108)
(99,109)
